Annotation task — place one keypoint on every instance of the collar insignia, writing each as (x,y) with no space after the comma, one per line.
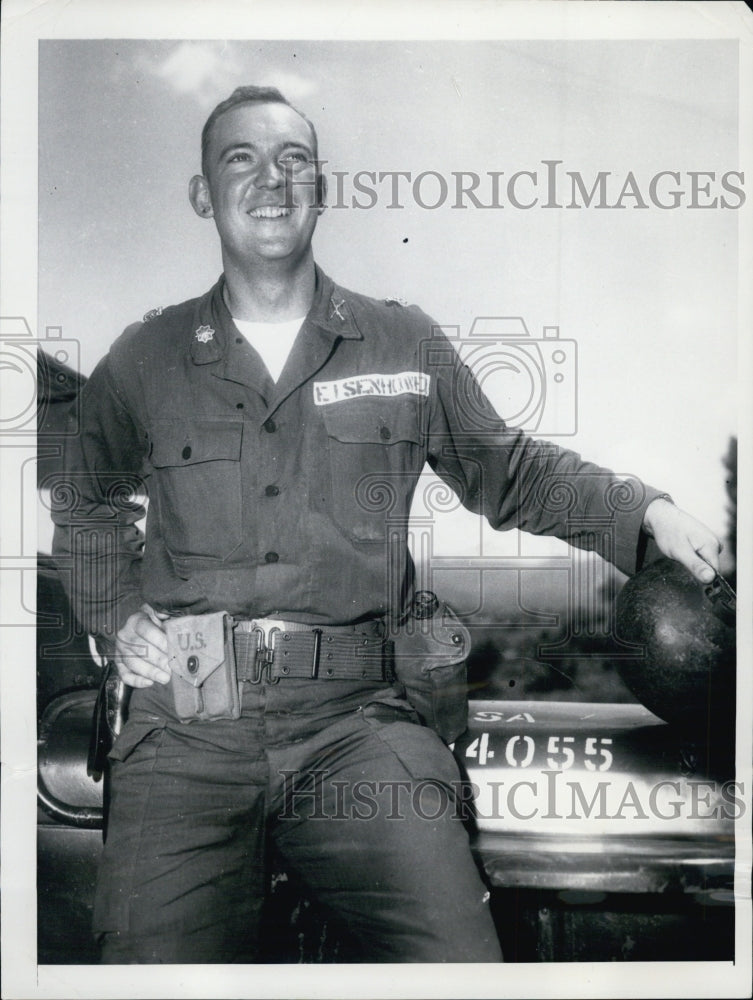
(335,311)
(204,333)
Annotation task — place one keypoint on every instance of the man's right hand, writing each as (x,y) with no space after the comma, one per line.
(141,649)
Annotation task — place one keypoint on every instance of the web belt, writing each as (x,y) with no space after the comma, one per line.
(273,649)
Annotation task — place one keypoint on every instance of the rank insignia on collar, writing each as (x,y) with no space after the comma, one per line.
(336,309)
(204,333)
(152,314)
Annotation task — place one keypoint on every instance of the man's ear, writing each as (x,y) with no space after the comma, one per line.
(198,195)
(321,192)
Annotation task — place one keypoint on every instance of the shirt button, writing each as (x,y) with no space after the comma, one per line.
(272,491)
(239,340)
(269,426)
(271,557)
(384,433)
(186,453)
(239,406)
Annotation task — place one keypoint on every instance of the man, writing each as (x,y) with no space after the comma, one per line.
(277,422)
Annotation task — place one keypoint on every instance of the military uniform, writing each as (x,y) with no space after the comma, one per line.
(290,500)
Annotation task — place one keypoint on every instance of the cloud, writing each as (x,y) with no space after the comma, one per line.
(293,85)
(190,66)
(209,71)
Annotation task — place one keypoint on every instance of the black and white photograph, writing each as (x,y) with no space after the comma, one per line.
(376,485)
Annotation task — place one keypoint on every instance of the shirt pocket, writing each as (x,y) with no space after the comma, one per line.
(198,498)
(375,456)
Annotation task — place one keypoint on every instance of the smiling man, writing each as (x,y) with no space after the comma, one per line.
(260,187)
(277,422)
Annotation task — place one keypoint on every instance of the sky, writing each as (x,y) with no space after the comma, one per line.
(645,297)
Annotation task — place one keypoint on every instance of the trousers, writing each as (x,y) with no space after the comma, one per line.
(358,799)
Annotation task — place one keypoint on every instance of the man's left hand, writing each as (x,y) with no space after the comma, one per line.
(683,538)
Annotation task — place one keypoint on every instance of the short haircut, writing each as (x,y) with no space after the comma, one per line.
(248,95)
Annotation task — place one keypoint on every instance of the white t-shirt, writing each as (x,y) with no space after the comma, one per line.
(273,341)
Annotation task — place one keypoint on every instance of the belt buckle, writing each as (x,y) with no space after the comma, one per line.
(266,629)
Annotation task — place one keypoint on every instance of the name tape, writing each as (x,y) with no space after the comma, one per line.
(399,384)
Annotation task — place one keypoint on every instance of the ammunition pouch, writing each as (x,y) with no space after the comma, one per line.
(201,657)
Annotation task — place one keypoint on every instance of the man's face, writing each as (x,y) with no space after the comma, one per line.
(260,186)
